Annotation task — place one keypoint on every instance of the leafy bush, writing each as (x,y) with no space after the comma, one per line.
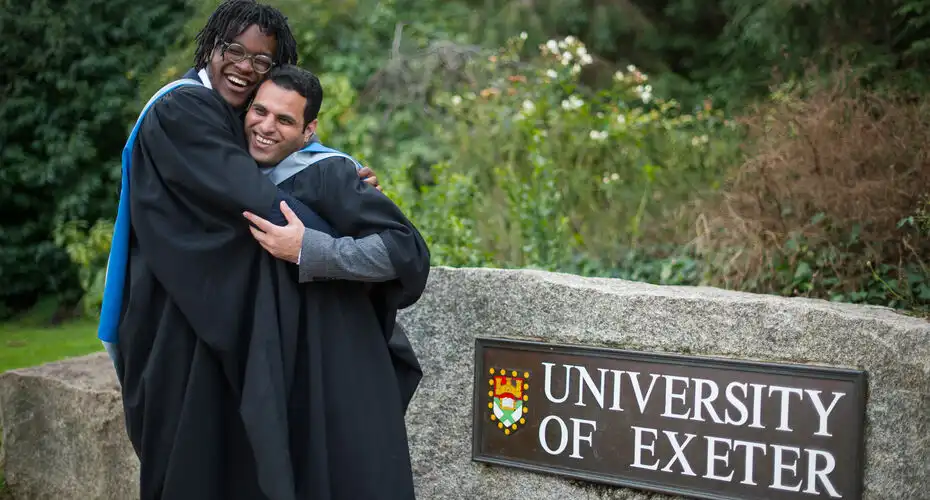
(543,172)
(829,202)
(519,157)
(67,78)
(89,250)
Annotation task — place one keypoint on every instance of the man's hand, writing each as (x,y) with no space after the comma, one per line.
(368,175)
(283,242)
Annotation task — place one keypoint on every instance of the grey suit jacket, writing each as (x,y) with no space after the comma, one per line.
(362,259)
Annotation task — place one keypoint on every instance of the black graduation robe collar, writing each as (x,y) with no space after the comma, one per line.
(193,74)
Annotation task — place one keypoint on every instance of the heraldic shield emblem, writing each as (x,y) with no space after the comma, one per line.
(508,396)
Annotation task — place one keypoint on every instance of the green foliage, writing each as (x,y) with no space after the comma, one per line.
(731,50)
(68,76)
(840,272)
(915,36)
(443,215)
(503,158)
(543,172)
(89,250)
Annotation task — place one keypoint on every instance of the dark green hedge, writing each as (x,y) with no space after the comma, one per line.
(69,76)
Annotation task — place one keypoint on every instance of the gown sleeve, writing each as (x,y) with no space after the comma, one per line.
(355,209)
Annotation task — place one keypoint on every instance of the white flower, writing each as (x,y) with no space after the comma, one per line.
(598,135)
(621,119)
(584,56)
(522,35)
(552,46)
(552,73)
(572,103)
(645,92)
(528,106)
(618,76)
(566,58)
(569,39)
(576,69)
(631,69)
(456,100)
(614,176)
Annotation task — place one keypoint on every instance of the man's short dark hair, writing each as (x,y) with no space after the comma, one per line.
(232,17)
(303,82)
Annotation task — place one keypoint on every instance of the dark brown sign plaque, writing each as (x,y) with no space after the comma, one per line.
(694,426)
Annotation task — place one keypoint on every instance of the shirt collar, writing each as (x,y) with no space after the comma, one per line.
(205,78)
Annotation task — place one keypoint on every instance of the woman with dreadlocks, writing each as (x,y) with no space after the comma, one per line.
(206,322)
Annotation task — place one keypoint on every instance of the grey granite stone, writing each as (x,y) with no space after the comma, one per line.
(461,304)
(64,438)
(63,433)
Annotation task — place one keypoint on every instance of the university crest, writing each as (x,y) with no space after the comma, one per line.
(508,395)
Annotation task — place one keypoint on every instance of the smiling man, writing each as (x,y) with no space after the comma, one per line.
(280,128)
(383,266)
(280,121)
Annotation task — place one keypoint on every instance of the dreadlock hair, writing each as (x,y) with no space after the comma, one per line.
(232,17)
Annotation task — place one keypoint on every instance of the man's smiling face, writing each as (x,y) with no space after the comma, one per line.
(236,81)
(274,124)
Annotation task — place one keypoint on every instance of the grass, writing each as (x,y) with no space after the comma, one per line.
(31,339)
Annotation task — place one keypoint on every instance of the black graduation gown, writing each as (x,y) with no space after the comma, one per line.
(406,365)
(356,446)
(217,337)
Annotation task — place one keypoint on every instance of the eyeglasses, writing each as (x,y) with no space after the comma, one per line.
(236,53)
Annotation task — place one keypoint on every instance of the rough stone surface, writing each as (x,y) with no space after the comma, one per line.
(461,304)
(63,433)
